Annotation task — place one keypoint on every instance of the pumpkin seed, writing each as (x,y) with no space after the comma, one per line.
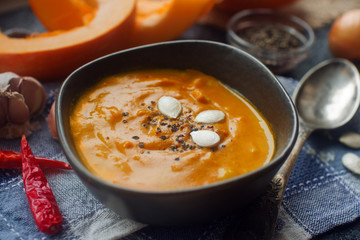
(350,139)
(205,138)
(169,106)
(352,162)
(210,116)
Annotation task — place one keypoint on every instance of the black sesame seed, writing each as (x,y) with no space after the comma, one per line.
(149,118)
(195,129)
(152,102)
(191,126)
(158,130)
(150,108)
(141,145)
(174,128)
(177,159)
(163,123)
(163,137)
(173,147)
(223,145)
(125,113)
(124,121)
(192,147)
(166,118)
(145,125)
(135,137)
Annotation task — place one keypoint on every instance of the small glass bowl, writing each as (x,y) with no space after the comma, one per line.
(278,40)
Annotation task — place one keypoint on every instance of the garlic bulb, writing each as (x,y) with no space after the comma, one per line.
(20,99)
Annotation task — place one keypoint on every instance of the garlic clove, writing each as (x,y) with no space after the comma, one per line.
(352,162)
(51,122)
(4,102)
(350,139)
(169,106)
(18,112)
(5,79)
(34,94)
(205,138)
(210,116)
(15,84)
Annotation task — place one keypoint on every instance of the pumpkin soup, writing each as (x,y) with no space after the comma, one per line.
(168,129)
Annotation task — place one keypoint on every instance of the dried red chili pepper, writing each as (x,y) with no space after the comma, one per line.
(42,202)
(11,159)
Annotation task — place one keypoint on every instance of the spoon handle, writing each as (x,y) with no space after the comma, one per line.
(261,215)
(284,173)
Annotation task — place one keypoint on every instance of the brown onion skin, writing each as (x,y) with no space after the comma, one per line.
(344,35)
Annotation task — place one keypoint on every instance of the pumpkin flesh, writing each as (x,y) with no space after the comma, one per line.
(54,55)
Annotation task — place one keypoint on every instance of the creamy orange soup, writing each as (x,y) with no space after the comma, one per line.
(122,136)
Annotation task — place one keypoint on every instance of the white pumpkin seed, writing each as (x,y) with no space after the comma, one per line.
(169,106)
(350,139)
(352,162)
(210,116)
(205,138)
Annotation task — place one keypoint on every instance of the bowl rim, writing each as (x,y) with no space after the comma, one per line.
(79,167)
(268,12)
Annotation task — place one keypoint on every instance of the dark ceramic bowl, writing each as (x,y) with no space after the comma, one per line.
(232,66)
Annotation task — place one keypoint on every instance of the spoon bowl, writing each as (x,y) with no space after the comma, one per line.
(328,95)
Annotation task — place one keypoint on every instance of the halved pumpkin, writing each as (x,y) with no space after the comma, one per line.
(156,20)
(161,20)
(103,28)
(81,30)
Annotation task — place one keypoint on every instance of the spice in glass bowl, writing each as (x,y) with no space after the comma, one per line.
(278,40)
(272,37)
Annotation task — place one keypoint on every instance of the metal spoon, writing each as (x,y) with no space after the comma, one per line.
(327,97)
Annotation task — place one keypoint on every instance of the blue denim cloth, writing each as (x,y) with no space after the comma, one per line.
(320,195)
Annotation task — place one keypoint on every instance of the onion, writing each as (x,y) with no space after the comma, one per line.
(344,35)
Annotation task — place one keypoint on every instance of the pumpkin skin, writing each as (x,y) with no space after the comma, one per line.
(52,56)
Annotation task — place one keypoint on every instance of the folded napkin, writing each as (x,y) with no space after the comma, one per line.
(320,195)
